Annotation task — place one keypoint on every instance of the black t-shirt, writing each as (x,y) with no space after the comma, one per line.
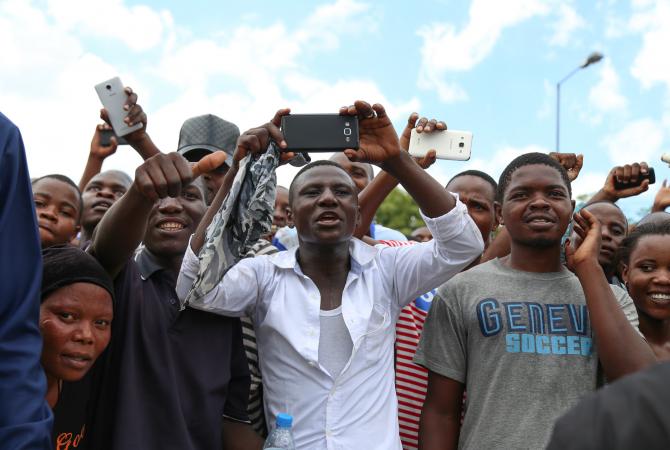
(632,413)
(168,377)
(70,415)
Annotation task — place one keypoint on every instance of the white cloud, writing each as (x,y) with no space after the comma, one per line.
(446,49)
(606,95)
(651,64)
(139,27)
(567,23)
(640,140)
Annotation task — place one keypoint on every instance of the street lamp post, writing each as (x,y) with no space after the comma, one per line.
(592,59)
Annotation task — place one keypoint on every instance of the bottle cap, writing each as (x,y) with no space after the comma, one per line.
(284,420)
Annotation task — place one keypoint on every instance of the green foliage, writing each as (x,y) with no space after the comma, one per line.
(399,212)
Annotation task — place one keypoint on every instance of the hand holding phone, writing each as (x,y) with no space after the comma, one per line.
(628,180)
(114,97)
(448,144)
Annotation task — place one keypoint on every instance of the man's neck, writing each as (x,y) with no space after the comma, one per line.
(86,234)
(535,259)
(318,260)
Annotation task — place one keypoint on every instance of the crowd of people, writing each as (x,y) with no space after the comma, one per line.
(189,305)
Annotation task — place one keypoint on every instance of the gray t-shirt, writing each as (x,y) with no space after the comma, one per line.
(522,344)
(335,344)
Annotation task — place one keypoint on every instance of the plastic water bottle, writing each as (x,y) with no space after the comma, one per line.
(281,437)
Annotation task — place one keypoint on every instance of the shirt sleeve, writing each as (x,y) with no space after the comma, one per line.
(627,306)
(243,283)
(443,345)
(417,269)
(238,387)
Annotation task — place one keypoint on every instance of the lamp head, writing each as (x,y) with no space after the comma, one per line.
(592,59)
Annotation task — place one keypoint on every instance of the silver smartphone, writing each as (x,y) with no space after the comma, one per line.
(113,98)
(448,144)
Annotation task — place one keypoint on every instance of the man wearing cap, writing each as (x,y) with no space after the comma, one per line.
(201,135)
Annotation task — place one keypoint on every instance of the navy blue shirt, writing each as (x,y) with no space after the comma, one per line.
(168,377)
(25,417)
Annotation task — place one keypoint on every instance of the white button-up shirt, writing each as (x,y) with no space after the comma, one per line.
(358,408)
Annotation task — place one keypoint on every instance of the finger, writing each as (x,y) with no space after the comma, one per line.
(354,155)
(344,111)
(172,177)
(276,120)
(159,183)
(644,186)
(364,109)
(430,126)
(275,134)
(618,173)
(113,143)
(421,124)
(644,167)
(665,183)
(627,170)
(130,101)
(634,172)
(579,231)
(104,115)
(590,218)
(134,115)
(411,120)
(579,162)
(183,167)
(145,184)
(352,111)
(441,125)
(380,110)
(569,160)
(286,156)
(208,163)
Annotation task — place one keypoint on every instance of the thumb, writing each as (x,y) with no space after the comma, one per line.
(209,163)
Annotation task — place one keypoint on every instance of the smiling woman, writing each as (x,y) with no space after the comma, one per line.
(75,322)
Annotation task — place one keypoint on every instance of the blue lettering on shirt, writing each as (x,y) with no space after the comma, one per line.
(536,328)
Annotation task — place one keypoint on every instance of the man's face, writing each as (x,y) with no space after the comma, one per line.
(282,210)
(57,208)
(75,322)
(173,220)
(479,197)
(421,234)
(357,171)
(325,206)
(537,207)
(213,181)
(101,193)
(613,229)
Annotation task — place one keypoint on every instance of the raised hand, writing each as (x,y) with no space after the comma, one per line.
(256,140)
(662,199)
(426,126)
(628,175)
(587,228)
(98,150)
(571,162)
(208,163)
(378,140)
(135,115)
(162,175)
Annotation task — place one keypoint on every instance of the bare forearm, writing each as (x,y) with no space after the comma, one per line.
(431,197)
(145,147)
(621,349)
(93,167)
(121,230)
(438,431)
(602,196)
(239,436)
(371,197)
(198,239)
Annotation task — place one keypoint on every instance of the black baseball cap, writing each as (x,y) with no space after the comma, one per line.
(199,136)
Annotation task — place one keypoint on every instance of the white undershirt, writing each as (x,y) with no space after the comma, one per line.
(335,344)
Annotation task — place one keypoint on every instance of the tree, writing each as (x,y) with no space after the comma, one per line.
(399,212)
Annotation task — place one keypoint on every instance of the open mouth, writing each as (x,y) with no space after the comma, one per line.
(171,226)
(660,298)
(328,218)
(540,222)
(76,361)
(101,205)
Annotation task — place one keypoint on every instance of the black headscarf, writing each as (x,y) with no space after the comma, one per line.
(65,264)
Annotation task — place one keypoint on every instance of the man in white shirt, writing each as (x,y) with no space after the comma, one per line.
(325,312)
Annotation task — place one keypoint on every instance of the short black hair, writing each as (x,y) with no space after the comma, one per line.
(607,202)
(529,159)
(66,180)
(127,178)
(305,168)
(648,229)
(477,173)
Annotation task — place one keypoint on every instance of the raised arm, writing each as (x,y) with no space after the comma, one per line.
(97,155)
(122,228)
(621,349)
(662,198)
(629,176)
(379,145)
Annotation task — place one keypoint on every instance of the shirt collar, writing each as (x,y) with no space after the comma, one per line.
(147,263)
(361,255)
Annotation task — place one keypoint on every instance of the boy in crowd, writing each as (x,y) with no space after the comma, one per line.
(325,312)
(519,332)
(98,196)
(58,205)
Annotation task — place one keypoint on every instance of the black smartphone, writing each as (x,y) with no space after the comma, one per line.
(320,132)
(650,175)
(106,136)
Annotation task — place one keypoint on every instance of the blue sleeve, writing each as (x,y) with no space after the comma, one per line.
(25,418)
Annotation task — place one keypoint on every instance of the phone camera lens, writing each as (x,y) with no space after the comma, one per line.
(461,144)
(109,87)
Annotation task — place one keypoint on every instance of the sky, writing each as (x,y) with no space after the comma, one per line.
(486,66)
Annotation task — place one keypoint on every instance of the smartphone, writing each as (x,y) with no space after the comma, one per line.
(448,144)
(113,98)
(106,136)
(320,132)
(650,175)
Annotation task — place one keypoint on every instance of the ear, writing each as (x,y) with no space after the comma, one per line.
(624,273)
(359,218)
(573,206)
(289,217)
(497,216)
